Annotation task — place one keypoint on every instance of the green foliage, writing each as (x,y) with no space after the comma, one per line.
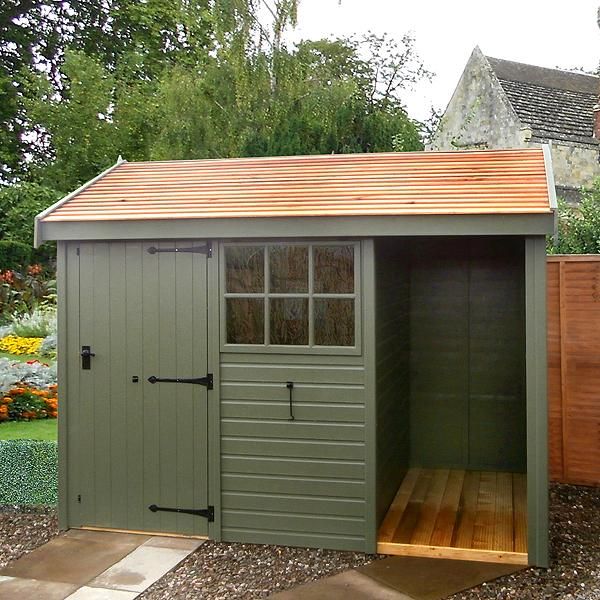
(14,255)
(22,293)
(40,323)
(20,204)
(28,472)
(169,79)
(578,227)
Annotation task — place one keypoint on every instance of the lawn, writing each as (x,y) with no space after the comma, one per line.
(43,429)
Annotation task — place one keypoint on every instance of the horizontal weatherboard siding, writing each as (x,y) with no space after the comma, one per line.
(299,482)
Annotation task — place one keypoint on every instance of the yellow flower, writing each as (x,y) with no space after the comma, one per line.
(20,345)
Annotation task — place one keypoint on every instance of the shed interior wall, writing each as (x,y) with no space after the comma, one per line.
(450,357)
(392,337)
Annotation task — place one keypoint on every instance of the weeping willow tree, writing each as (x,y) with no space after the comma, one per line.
(219,81)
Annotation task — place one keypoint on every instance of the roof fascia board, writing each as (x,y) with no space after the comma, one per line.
(550,177)
(303,227)
(38,237)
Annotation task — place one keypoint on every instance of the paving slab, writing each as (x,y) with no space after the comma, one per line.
(12,588)
(140,569)
(433,578)
(73,558)
(113,537)
(90,593)
(176,543)
(349,585)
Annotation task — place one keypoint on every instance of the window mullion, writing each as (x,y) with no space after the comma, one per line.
(311,319)
(267,300)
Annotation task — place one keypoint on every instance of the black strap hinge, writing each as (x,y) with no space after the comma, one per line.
(208,513)
(206,249)
(205,381)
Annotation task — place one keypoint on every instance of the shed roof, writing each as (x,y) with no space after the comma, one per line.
(398,184)
(556,104)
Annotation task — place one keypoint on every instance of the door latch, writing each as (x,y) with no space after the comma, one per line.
(86,355)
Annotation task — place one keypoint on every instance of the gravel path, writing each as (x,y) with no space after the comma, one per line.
(220,571)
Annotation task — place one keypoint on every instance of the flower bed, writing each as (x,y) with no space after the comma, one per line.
(16,345)
(27,391)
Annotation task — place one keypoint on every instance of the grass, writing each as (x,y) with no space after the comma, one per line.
(43,429)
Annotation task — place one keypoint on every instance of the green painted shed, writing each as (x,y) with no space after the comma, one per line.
(344,351)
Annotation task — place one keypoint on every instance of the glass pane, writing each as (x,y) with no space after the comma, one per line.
(288,269)
(334,269)
(289,321)
(334,322)
(245,269)
(245,321)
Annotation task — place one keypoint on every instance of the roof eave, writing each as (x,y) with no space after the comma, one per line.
(38,234)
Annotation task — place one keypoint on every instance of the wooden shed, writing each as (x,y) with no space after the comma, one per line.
(336,351)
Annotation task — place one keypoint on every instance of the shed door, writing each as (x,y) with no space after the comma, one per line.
(139,444)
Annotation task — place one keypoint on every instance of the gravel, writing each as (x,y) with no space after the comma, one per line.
(222,571)
(24,529)
(574,554)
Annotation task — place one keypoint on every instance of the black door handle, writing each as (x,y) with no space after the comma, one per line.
(86,355)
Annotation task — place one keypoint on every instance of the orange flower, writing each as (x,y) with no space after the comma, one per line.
(34,269)
(6,400)
(17,391)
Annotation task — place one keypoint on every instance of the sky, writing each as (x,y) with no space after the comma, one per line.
(548,33)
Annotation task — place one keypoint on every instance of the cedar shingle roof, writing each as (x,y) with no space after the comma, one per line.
(406,183)
(555,104)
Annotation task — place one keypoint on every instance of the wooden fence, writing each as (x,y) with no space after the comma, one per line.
(574,368)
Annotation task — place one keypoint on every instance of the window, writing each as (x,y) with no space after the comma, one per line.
(298,295)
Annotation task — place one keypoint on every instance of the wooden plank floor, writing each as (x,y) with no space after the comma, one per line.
(466,515)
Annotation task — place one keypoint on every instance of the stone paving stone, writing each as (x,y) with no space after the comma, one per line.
(349,585)
(90,593)
(13,588)
(70,559)
(176,543)
(140,569)
(433,578)
(112,537)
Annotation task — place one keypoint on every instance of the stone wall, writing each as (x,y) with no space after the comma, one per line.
(574,165)
(480,115)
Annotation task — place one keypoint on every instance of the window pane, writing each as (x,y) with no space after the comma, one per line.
(245,269)
(334,269)
(245,321)
(334,322)
(288,269)
(289,321)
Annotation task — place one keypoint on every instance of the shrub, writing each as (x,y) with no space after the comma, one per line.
(48,347)
(21,293)
(578,227)
(40,323)
(14,255)
(28,472)
(31,373)
(20,345)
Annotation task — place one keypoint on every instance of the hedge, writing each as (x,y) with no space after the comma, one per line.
(14,255)
(28,472)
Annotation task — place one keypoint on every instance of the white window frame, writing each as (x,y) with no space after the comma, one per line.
(266,295)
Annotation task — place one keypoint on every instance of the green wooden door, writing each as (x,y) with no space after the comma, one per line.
(140,444)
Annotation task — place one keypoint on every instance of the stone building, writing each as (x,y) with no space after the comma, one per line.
(504,104)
